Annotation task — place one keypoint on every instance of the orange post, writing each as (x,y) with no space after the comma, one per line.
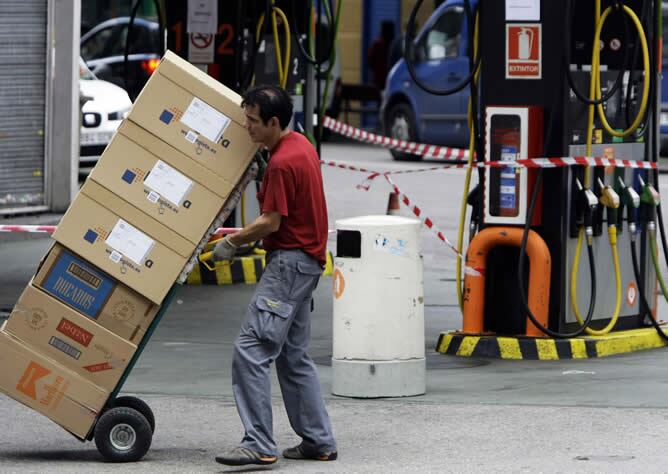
(540,265)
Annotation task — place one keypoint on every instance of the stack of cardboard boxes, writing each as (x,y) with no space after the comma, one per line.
(148,205)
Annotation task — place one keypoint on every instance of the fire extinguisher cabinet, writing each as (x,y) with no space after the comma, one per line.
(378,317)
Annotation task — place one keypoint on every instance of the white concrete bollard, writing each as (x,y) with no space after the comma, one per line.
(378,318)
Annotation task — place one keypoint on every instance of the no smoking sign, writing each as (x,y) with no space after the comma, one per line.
(201,48)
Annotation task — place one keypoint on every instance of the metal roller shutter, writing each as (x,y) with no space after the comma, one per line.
(23,39)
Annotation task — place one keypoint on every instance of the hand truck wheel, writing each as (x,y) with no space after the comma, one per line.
(123,435)
(137,404)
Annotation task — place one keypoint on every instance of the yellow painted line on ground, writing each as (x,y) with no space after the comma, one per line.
(606,347)
(468,346)
(248,265)
(578,349)
(509,348)
(547,349)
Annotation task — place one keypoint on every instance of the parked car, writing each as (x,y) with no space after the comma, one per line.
(410,113)
(103,49)
(101,115)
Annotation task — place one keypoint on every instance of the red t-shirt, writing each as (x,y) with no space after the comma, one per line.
(292,186)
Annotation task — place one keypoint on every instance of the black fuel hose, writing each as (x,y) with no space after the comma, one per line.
(520,273)
(567,60)
(247,76)
(636,50)
(316,61)
(644,306)
(408,52)
(129,37)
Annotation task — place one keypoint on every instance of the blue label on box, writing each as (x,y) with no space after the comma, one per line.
(78,284)
(128,176)
(166,116)
(90,236)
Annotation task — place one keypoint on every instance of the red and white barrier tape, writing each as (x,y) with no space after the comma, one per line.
(418,213)
(41,229)
(50,229)
(434,151)
(569,161)
(420,149)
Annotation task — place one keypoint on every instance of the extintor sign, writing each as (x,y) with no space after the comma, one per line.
(523,51)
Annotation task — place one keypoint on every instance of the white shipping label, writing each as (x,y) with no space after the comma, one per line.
(191,136)
(206,120)
(168,183)
(522,10)
(153,197)
(130,242)
(202,16)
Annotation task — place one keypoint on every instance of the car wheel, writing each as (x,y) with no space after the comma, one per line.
(400,124)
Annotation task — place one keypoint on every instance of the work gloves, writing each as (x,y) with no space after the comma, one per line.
(224,250)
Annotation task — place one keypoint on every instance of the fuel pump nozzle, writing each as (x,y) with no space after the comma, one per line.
(649,200)
(587,204)
(630,200)
(610,200)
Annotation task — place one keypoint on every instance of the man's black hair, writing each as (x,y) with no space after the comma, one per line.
(272,102)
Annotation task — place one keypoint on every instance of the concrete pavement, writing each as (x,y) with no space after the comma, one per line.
(598,415)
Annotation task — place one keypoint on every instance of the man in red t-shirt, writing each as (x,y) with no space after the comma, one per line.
(293,228)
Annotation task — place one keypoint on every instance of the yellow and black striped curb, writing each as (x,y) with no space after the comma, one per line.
(241,270)
(525,348)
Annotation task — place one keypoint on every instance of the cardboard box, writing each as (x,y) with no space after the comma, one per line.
(93,293)
(69,338)
(47,387)
(119,239)
(161,181)
(196,114)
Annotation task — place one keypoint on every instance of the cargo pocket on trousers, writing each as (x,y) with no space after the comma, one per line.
(273,317)
(306,278)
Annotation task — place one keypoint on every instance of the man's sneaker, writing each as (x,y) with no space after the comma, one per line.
(300,452)
(244,456)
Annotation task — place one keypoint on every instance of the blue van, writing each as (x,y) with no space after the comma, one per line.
(409,113)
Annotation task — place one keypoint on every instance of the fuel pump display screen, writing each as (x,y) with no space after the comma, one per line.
(504,182)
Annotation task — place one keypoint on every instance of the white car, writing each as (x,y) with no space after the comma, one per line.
(106,107)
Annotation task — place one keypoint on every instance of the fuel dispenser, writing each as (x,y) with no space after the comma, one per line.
(546,91)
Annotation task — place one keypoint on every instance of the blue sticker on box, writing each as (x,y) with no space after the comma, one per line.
(166,116)
(78,284)
(91,236)
(128,176)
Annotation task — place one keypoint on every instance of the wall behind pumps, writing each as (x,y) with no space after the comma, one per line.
(426,9)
